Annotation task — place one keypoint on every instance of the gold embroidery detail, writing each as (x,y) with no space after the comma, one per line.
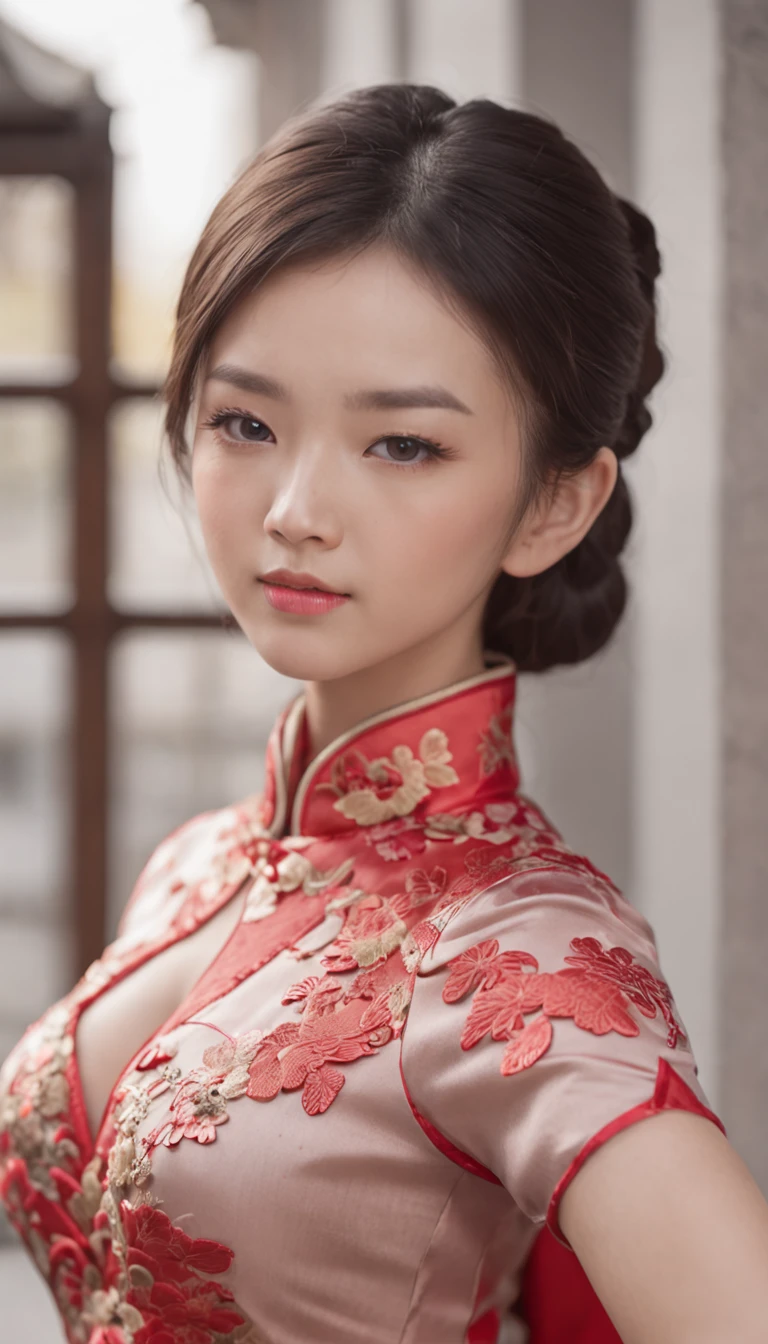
(372,791)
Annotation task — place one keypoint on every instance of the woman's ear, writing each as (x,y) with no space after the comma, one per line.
(557,522)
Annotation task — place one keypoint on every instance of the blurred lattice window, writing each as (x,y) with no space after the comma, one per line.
(93,587)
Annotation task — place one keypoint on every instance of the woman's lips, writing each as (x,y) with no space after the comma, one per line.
(301,601)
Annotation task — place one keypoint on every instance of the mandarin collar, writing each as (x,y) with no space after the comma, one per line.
(440,752)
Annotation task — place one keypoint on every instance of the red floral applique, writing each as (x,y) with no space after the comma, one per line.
(616,966)
(171,1280)
(595,994)
(335,1029)
(123,1275)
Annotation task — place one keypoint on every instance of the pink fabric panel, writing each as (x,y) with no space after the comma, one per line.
(528,1127)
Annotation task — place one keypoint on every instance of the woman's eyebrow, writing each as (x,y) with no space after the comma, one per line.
(373,399)
(405,398)
(248,381)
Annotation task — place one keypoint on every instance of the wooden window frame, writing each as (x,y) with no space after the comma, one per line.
(78,150)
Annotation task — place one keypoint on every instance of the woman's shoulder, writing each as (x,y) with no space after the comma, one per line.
(529,885)
(539,908)
(195,860)
(541,1023)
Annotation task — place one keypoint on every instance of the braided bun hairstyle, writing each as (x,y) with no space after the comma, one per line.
(569,611)
(517,230)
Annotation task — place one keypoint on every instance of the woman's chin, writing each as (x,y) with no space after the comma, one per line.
(301,657)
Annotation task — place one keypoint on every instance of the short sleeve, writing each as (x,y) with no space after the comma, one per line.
(539,1026)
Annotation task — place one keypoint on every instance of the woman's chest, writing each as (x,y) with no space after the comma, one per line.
(112,1028)
(310,973)
(312,945)
(277,1126)
(258,1165)
(264,1123)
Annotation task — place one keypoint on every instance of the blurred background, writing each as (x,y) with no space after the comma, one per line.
(127,703)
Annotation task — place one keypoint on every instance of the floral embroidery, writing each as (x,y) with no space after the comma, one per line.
(372,791)
(373,930)
(124,1274)
(617,966)
(201,1101)
(377,926)
(499,823)
(240,849)
(34,1115)
(165,902)
(496,745)
(129,1153)
(482,868)
(595,994)
(492,824)
(401,838)
(36,1120)
(423,888)
(421,939)
(336,1028)
(192,1306)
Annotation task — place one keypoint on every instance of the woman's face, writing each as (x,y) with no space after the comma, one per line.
(331,383)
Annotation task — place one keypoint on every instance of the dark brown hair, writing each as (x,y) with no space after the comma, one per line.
(516,229)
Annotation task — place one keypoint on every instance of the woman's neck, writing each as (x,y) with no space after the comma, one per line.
(334,707)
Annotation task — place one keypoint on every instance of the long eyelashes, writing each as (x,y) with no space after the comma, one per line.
(434,450)
(220,418)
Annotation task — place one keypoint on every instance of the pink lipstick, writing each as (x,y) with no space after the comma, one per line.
(301,601)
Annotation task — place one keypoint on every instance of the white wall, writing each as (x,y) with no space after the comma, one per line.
(677,824)
(469,50)
(360,44)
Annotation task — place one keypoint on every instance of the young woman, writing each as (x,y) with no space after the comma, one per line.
(364,1036)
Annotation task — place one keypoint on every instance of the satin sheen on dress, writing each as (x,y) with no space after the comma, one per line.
(360,1121)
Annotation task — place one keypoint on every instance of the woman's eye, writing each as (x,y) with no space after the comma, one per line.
(238,427)
(406,449)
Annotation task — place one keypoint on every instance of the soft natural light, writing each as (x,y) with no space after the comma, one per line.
(185,116)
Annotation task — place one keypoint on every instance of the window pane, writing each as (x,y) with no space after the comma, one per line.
(158,556)
(34,506)
(142,314)
(191,716)
(35,947)
(36,232)
(175,156)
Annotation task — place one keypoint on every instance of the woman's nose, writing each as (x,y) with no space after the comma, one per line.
(306,503)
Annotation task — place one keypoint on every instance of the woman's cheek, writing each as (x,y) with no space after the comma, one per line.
(223,508)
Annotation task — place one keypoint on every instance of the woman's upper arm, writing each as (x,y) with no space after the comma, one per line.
(541,1040)
(538,1027)
(672,1231)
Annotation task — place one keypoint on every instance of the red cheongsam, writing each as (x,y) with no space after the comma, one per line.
(357,1124)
